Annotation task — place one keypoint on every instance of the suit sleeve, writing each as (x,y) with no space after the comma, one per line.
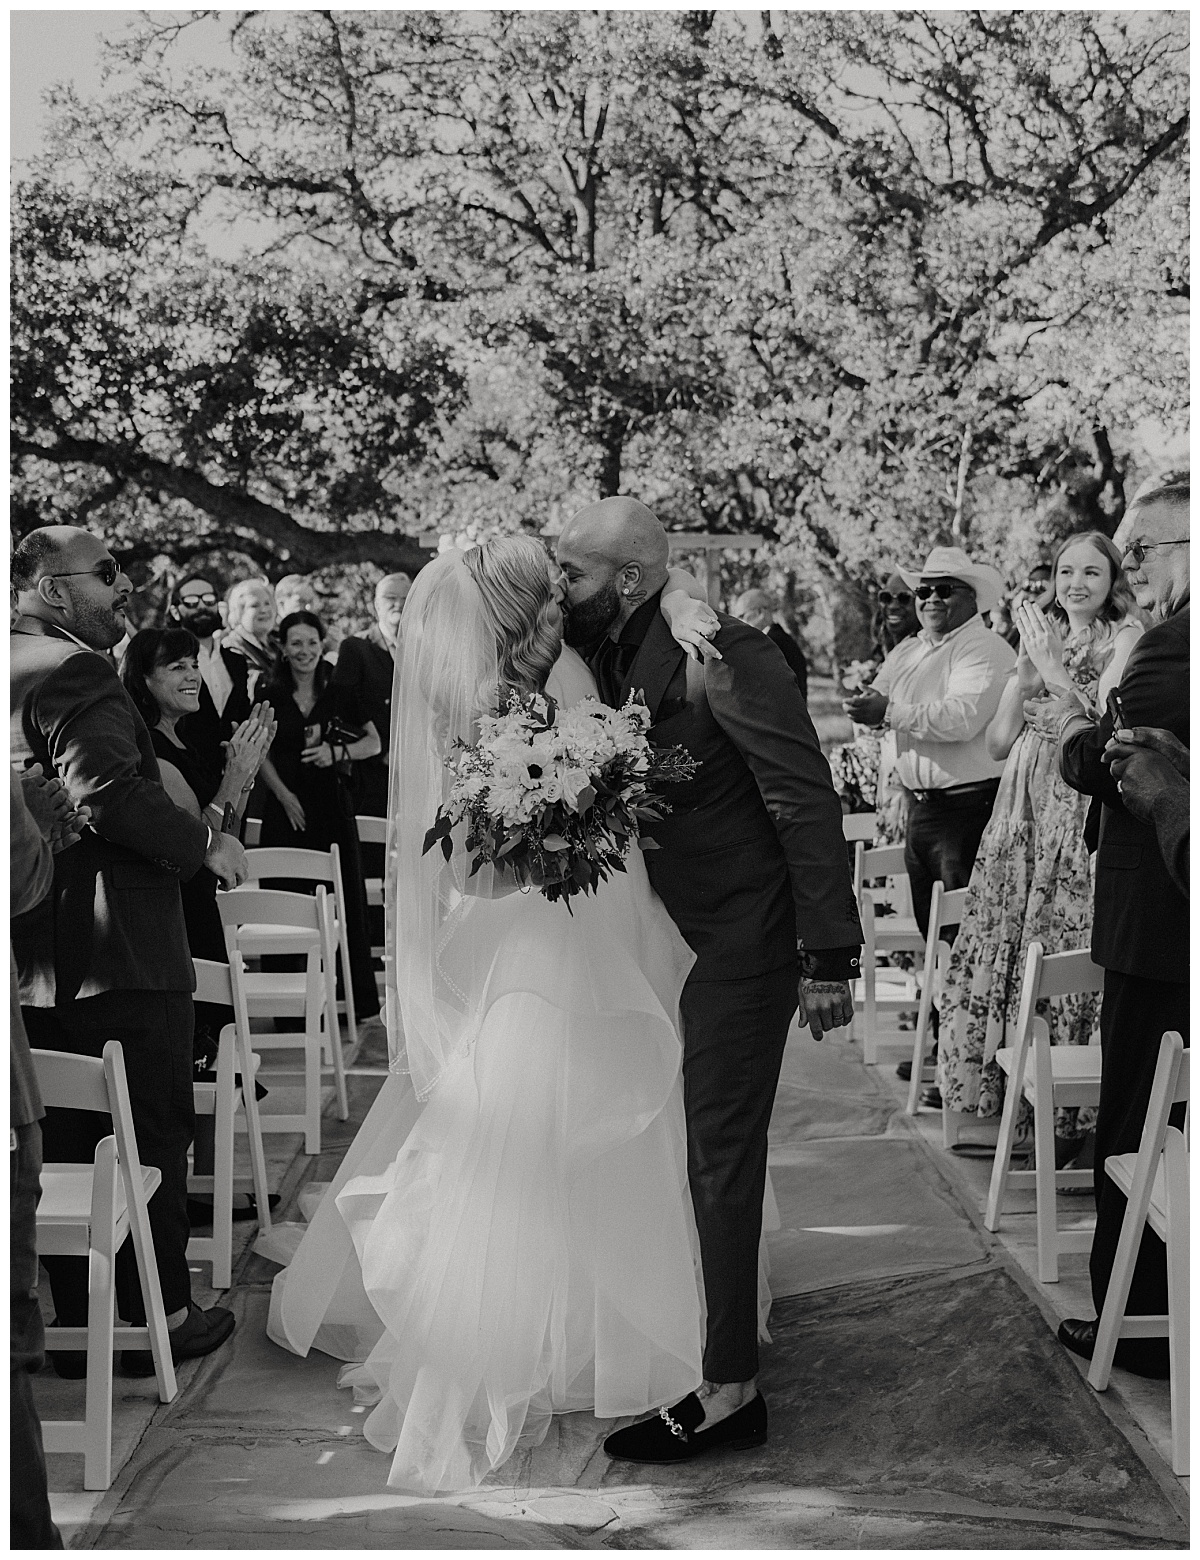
(85,718)
(348,669)
(754,698)
(1172,824)
(31,866)
(1153,659)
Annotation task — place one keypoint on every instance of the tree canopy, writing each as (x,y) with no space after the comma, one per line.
(858,281)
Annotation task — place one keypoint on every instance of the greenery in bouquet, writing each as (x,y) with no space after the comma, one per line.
(555,798)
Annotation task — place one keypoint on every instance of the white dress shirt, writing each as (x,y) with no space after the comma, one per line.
(215,674)
(941,697)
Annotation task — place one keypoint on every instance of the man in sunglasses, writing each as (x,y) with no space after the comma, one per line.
(224,696)
(105,956)
(1140,922)
(938,691)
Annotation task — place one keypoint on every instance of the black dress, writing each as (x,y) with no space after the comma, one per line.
(328,806)
(206,939)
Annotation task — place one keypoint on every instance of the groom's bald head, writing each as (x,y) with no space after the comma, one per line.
(614,557)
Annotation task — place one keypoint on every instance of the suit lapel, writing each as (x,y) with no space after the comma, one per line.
(658,659)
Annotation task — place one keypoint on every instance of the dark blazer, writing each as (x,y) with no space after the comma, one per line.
(114,920)
(752,853)
(208,727)
(1140,925)
(793,655)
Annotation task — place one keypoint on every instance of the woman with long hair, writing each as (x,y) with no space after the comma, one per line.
(1032,880)
(309,803)
(510,1236)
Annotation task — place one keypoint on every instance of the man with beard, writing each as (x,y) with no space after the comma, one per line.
(365,668)
(105,956)
(752,866)
(224,700)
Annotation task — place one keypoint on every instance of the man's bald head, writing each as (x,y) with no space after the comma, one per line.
(66,576)
(614,558)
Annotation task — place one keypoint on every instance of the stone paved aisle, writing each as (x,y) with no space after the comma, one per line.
(918,1398)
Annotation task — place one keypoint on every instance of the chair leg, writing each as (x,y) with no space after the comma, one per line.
(1045,1181)
(351,1015)
(334,1036)
(1004,1146)
(870,1017)
(258,1163)
(97,1445)
(1175,1167)
(222,1262)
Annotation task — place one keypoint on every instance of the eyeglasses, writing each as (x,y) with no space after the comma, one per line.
(207,600)
(1137,553)
(942,589)
(901,598)
(105,572)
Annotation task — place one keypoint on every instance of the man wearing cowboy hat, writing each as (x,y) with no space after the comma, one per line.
(938,691)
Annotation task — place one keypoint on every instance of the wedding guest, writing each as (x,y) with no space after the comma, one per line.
(758,608)
(106,957)
(42,818)
(1152,769)
(294,593)
(938,691)
(250,616)
(1032,880)
(321,731)
(224,690)
(364,670)
(1140,920)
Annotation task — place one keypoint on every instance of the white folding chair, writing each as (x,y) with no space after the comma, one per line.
(1155,1184)
(884,991)
(945,911)
(314,866)
(88,1211)
(309,994)
(252,833)
(230,1095)
(373,831)
(1047,1076)
(859,826)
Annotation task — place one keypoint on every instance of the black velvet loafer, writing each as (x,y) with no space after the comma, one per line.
(1143,1356)
(201,1333)
(673,1435)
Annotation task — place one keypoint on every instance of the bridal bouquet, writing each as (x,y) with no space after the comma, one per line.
(557,796)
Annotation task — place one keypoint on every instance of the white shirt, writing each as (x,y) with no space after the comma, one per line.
(216,675)
(941,699)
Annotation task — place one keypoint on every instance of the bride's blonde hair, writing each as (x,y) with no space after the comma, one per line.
(514,582)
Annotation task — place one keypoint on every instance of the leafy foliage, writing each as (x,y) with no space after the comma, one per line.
(861,284)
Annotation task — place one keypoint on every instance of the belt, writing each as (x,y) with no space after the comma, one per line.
(974,788)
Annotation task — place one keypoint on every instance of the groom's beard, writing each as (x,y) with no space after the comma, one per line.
(588,621)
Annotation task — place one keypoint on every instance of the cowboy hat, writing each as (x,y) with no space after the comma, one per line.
(953,563)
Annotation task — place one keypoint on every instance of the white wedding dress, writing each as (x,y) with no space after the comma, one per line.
(520,1244)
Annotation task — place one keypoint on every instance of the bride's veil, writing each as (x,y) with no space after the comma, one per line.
(446,677)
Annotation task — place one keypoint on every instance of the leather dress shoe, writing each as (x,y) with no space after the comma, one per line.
(1143,1356)
(932,1096)
(200,1333)
(904,1068)
(200,1213)
(673,1435)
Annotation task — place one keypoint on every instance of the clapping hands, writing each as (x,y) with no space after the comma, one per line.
(249,745)
(1041,648)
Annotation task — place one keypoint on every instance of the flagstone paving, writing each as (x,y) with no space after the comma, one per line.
(918,1397)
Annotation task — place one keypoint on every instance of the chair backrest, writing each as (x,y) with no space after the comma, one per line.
(91,1083)
(271,907)
(884,861)
(70,1082)
(212,983)
(1172,1074)
(859,826)
(286,861)
(1051,975)
(945,910)
(373,831)
(252,832)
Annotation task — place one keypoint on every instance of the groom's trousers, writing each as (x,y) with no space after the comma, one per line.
(733,1038)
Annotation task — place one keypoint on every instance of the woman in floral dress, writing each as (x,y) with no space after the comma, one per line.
(1032,880)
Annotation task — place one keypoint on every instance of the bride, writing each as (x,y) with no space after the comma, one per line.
(510,1236)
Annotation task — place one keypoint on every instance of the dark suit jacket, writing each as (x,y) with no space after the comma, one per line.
(752,854)
(208,727)
(114,920)
(1140,926)
(793,655)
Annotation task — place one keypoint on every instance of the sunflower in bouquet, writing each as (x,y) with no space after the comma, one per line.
(557,797)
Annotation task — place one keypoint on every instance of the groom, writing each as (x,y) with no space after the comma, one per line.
(752,867)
